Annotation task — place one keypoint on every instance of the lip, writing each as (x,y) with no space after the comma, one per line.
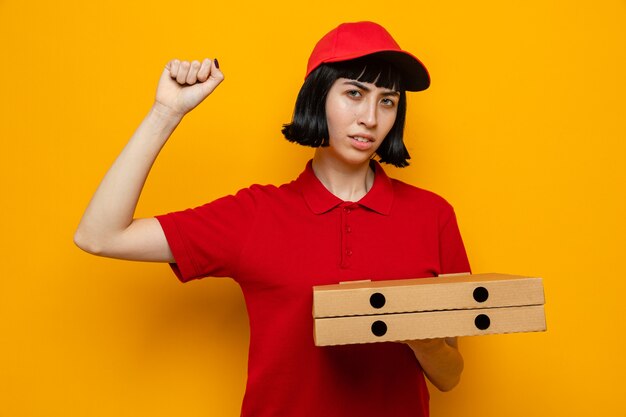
(362,135)
(362,145)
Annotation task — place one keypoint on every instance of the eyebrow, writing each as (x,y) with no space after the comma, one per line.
(366,88)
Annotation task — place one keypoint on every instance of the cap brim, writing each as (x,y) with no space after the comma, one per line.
(416,77)
(415,74)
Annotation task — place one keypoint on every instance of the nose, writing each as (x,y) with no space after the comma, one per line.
(368,115)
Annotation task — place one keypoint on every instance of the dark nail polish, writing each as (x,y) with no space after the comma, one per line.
(217,64)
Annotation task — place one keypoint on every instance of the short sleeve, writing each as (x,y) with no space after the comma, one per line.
(452,254)
(207,240)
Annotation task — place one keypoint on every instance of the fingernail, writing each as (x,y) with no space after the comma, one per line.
(217,64)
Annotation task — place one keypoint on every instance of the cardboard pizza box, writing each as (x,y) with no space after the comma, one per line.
(428,325)
(445,306)
(451,292)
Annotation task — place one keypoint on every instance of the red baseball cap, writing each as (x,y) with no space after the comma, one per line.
(354,40)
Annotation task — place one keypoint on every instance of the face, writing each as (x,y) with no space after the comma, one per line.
(359,116)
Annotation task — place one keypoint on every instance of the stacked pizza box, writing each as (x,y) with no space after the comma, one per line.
(424,308)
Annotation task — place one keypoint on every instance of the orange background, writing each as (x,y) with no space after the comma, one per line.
(523,131)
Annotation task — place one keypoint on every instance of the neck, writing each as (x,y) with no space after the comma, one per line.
(347,182)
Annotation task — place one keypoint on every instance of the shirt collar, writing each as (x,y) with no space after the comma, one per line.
(379,198)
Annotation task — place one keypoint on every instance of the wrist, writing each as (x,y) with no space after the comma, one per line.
(165,113)
(426,346)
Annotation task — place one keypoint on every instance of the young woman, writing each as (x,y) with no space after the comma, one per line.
(342,219)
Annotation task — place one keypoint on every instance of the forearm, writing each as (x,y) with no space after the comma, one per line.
(112,206)
(441,361)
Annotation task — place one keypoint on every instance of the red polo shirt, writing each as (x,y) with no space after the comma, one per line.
(278,242)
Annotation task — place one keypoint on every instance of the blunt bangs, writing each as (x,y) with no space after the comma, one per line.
(309,126)
(370,70)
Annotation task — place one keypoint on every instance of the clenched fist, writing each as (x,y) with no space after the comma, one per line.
(183,84)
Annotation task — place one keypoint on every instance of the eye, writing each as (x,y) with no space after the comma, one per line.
(353,93)
(388,102)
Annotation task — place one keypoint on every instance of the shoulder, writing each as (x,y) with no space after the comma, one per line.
(413,195)
(268,190)
(267,193)
(422,206)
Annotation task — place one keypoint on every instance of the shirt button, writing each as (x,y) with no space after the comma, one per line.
(349,252)
(347,210)
(348,229)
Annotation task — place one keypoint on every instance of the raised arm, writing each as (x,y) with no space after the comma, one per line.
(107,227)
